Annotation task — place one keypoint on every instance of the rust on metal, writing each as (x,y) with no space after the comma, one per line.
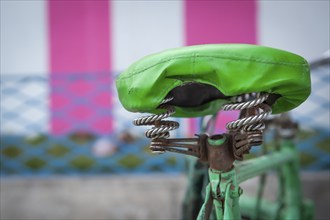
(220,156)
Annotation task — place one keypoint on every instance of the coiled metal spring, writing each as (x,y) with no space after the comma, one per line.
(161,128)
(244,102)
(249,127)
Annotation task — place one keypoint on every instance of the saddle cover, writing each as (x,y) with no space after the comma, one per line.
(233,69)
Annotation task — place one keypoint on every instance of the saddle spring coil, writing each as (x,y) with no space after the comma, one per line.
(249,127)
(161,128)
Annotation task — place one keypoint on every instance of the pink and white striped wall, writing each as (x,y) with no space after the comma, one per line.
(82,39)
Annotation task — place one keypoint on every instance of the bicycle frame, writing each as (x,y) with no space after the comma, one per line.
(223,190)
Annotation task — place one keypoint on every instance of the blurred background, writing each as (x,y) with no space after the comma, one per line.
(68,148)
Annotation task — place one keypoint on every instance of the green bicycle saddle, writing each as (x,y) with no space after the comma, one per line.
(230,69)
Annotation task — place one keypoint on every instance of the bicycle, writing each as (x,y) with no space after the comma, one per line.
(202,80)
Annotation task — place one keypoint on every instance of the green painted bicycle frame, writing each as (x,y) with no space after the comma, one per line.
(224,191)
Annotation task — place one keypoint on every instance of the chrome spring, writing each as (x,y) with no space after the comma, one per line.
(252,122)
(250,125)
(161,128)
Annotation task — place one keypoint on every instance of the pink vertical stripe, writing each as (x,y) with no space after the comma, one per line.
(220,22)
(79,38)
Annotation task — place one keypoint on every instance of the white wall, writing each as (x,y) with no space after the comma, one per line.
(144,27)
(24,37)
(301,27)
